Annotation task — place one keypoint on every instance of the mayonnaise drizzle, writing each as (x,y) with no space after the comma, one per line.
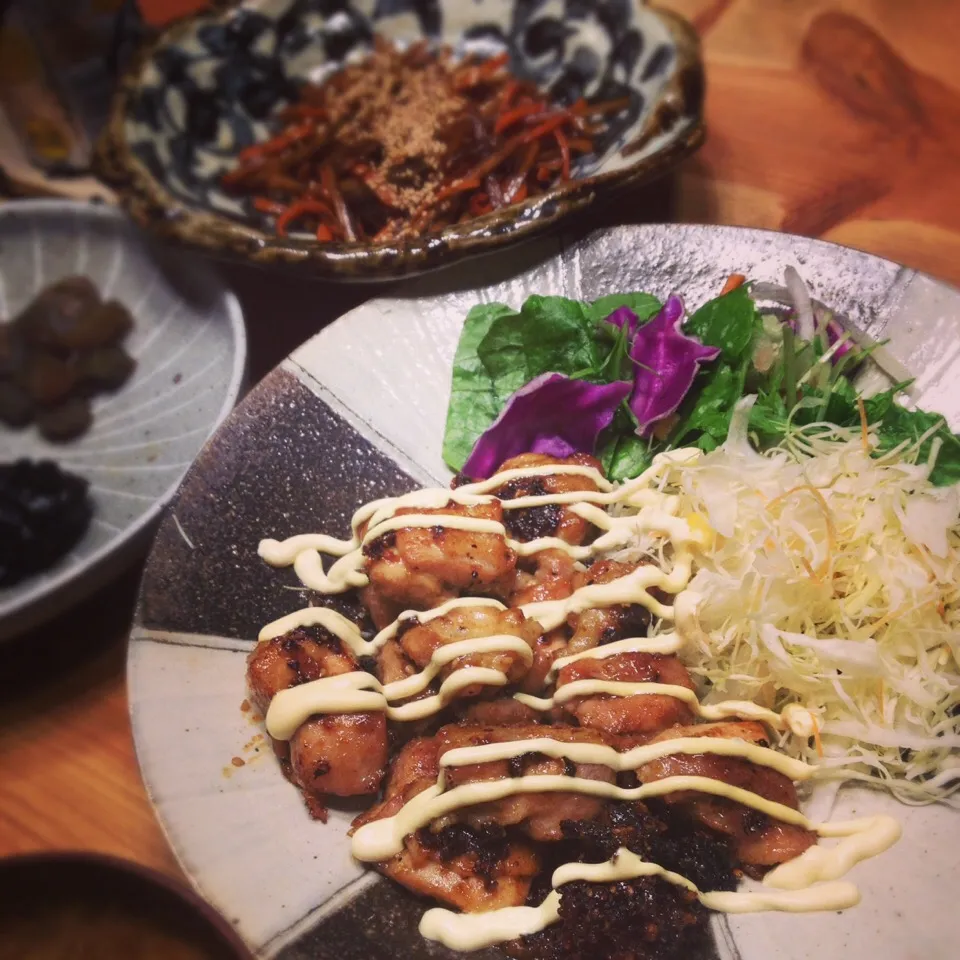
(744,709)
(473,931)
(633,588)
(384,838)
(359,692)
(303,550)
(592,753)
(665,643)
(806,883)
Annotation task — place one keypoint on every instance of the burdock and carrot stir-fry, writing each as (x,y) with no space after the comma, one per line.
(407,142)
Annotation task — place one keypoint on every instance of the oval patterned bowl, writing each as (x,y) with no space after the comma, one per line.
(209,85)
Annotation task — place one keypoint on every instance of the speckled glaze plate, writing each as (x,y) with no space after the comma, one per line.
(190,346)
(207,88)
(357,413)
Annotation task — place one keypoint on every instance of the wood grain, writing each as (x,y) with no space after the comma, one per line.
(834,118)
(68,774)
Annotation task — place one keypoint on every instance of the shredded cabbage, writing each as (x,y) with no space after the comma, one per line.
(833,582)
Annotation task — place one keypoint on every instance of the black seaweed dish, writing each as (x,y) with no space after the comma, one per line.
(208,86)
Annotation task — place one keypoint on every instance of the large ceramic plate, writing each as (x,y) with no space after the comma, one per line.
(358,412)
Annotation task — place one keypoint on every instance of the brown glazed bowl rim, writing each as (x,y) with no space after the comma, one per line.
(155,208)
(178,893)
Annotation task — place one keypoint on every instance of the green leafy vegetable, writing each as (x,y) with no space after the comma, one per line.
(900,424)
(474,401)
(729,322)
(549,335)
(644,305)
(622,453)
(710,408)
(502,350)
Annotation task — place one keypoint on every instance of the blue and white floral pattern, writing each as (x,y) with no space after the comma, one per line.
(210,90)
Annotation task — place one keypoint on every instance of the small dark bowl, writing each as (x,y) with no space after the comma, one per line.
(208,86)
(39,886)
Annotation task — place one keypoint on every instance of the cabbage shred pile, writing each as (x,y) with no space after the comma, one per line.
(833,582)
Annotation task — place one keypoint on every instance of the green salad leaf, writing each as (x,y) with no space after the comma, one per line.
(644,305)
(729,322)
(474,401)
(548,335)
(900,424)
(623,453)
(705,416)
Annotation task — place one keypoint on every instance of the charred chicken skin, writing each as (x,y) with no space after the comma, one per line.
(487,854)
(341,754)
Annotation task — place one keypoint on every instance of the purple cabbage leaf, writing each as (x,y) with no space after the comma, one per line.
(667,361)
(553,414)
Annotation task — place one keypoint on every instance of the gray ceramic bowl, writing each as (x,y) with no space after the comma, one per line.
(190,346)
(208,87)
(38,889)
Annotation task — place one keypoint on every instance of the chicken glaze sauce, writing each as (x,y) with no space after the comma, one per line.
(807,883)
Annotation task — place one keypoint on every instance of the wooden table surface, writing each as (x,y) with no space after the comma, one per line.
(833,118)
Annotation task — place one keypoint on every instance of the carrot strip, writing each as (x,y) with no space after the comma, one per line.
(548,126)
(509,93)
(732,282)
(491,66)
(277,144)
(266,205)
(564,153)
(458,186)
(324,233)
(329,180)
(296,210)
(509,118)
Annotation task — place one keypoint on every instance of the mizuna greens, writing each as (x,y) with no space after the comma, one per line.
(685,375)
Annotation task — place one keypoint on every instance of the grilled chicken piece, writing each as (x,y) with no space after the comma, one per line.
(548,648)
(421,567)
(601,625)
(644,713)
(342,754)
(759,840)
(412,770)
(550,577)
(556,580)
(503,712)
(539,814)
(419,641)
(486,876)
(551,519)
(383,611)
(473,882)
